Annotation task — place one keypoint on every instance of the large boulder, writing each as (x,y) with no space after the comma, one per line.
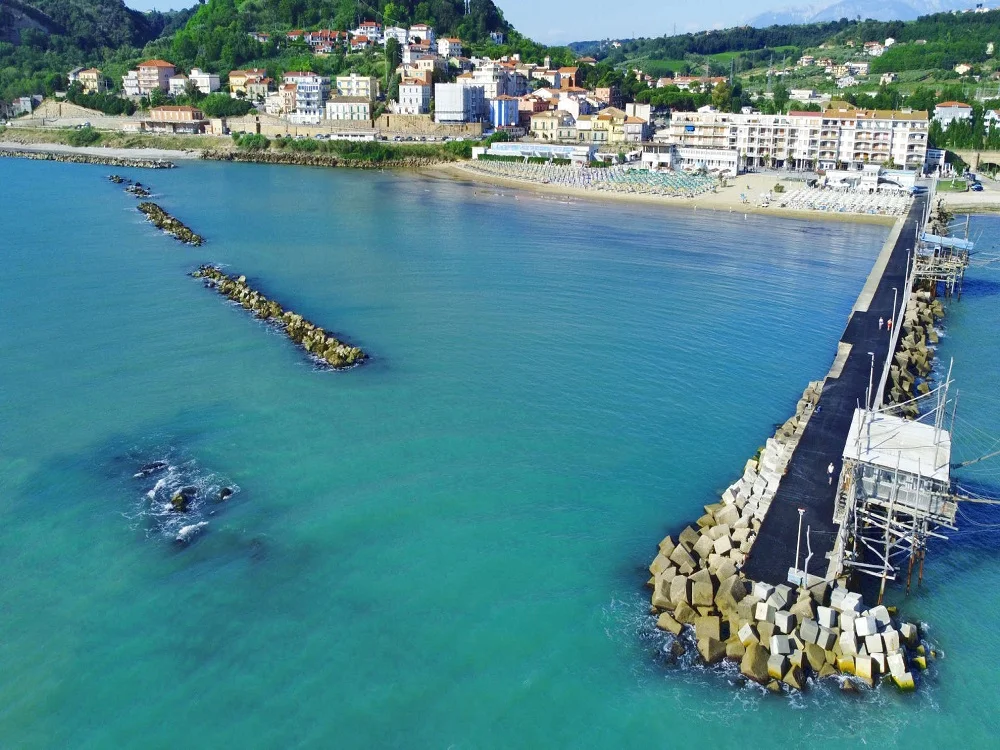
(668,623)
(688,537)
(777,666)
(794,678)
(735,649)
(667,546)
(680,590)
(815,657)
(708,627)
(731,592)
(754,663)
(659,564)
(711,650)
(684,613)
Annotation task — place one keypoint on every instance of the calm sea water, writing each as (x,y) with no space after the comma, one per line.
(447,546)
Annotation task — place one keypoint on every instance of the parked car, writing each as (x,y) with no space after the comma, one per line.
(976,187)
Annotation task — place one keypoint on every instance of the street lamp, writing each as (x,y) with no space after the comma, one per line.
(798,540)
(894,293)
(871,376)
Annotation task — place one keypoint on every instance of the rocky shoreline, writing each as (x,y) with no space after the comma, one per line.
(779,635)
(167,223)
(304,333)
(111,161)
(313,160)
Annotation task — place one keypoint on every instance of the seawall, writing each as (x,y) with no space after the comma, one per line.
(725,577)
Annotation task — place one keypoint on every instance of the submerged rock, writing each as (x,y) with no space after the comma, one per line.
(182,498)
(187,533)
(153,467)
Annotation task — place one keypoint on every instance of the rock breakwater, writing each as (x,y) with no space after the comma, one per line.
(167,223)
(309,336)
(112,161)
(134,188)
(779,635)
(314,160)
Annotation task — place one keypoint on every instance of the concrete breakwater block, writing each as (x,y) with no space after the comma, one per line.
(754,665)
(777,666)
(809,631)
(666,622)
(747,635)
(784,622)
(765,612)
(865,626)
(865,670)
(780,644)
(826,617)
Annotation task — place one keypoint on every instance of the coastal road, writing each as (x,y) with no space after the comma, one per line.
(806,484)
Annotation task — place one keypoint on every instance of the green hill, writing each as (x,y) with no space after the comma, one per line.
(41,40)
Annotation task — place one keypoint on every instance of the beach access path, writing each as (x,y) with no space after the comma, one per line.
(806,483)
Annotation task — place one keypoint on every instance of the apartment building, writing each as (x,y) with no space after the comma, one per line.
(414,97)
(154,75)
(92,81)
(836,138)
(348,108)
(355,85)
(311,93)
(455,102)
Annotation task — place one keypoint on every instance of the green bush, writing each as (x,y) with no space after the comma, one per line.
(779,188)
(223,105)
(86,136)
(251,142)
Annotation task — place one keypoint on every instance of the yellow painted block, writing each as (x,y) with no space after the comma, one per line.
(845,664)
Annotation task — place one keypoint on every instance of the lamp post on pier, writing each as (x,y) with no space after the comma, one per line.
(798,540)
(871,384)
(894,293)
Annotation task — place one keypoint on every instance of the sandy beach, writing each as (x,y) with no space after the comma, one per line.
(726,200)
(120,153)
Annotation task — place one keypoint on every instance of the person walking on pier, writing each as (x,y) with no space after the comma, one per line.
(829,473)
(888,325)
(881,322)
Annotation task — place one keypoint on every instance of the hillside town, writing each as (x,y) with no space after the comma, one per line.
(543,111)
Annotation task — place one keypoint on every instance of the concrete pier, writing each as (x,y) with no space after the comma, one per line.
(807,483)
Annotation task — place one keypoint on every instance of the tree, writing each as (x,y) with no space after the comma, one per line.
(721,96)
(780,97)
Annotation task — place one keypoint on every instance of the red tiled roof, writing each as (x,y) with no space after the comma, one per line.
(156,64)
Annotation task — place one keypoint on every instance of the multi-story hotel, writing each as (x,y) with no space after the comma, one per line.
(837,138)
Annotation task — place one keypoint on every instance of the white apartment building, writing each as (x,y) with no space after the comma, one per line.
(946,112)
(348,108)
(449,47)
(311,93)
(130,83)
(456,102)
(178,84)
(355,85)
(414,97)
(421,32)
(206,83)
(398,33)
(848,138)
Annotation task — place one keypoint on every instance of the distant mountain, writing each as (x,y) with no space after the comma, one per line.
(886,10)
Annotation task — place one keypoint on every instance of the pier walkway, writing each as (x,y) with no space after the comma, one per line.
(806,484)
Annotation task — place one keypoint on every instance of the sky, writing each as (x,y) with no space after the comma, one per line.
(563,21)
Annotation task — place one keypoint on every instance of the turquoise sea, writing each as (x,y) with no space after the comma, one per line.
(447,546)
